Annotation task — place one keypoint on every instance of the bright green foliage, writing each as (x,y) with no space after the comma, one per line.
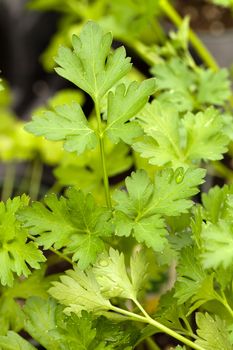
(91,66)
(1,86)
(124,104)
(110,273)
(140,210)
(214,87)
(79,291)
(15,253)
(212,332)
(67,123)
(13,341)
(171,140)
(91,290)
(176,80)
(216,203)
(56,331)
(74,222)
(190,88)
(193,283)
(218,244)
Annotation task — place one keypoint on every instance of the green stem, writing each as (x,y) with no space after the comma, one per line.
(151,344)
(102,155)
(36,175)
(222,170)
(55,251)
(9,179)
(224,302)
(203,52)
(161,327)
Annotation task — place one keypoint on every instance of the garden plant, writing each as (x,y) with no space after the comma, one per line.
(132,247)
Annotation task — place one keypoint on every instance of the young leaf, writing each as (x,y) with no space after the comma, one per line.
(123,104)
(212,332)
(92,66)
(66,123)
(110,273)
(214,87)
(75,222)
(79,291)
(16,254)
(139,211)
(218,244)
(181,142)
(175,80)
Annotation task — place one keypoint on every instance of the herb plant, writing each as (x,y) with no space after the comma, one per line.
(166,132)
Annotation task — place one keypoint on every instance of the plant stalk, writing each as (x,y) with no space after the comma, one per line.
(161,327)
(203,52)
(8,182)
(103,158)
(55,251)
(36,175)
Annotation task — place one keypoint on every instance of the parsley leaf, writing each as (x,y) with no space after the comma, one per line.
(79,291)
(139,210)
(66,123)
(212,332)
(92,66)
(218,244)
(110,273)
(75,222)
(123,104)
(193,283)
(170,140)
(15,253)
(214,87)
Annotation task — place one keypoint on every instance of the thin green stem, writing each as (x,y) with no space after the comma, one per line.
(224,302)
(36,175)
(161,327)
(9,180)
(203,52)
(102,155)
(55,251)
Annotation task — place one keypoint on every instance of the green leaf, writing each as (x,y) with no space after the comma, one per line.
(214,87)
(139,210)
(218,244)
(92,66)
(67,123)
(11,315)
(16,254)
(224,3)
(46,322)
(215,203)
(176,80)
(40,320)
(110,273)
(123,104)
(79,291)
(75,222)
(193,283)
(170,140)
(13,341)
(205,137)
(212,332)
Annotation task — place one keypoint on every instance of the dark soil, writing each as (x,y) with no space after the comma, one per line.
(205,16)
